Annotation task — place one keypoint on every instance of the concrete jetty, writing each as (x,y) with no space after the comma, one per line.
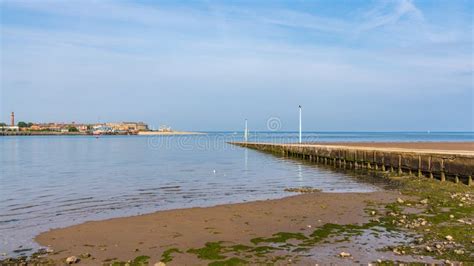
(454,165)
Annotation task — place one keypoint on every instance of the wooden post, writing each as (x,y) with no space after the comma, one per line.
(419,167)
(355,160)
(400,171)
(443,174)
(469,181)
(375,157)
(429,168)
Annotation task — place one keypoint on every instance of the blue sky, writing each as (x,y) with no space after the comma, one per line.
(208,65)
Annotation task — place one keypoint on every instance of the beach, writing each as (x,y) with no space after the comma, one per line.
(341,228)
(355,219)
(122,239)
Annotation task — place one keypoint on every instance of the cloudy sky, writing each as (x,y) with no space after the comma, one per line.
(208,65)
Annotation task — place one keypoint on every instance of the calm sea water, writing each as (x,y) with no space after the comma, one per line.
(49,182)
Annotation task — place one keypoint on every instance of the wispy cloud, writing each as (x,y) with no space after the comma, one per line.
(155,54)
(389,13)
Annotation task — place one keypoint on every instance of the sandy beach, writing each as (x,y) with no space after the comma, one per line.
(308,229)
(125,238)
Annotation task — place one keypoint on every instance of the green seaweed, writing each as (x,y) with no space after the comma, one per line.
(239,248)
(140,260)
(280,237)
(211,251)
(167,254)
(260,250)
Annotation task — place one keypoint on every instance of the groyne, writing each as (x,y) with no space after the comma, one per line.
(457,166)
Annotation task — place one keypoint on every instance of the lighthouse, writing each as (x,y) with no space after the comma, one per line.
(12,119)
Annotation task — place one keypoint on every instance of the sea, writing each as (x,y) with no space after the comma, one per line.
(50,182)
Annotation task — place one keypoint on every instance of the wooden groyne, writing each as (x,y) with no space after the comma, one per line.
(457,166)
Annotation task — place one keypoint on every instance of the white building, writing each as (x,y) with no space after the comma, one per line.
(102,129)
(9,128)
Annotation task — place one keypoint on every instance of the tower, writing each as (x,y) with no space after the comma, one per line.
(12,119)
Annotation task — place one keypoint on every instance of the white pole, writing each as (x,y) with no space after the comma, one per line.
(300,123)
(246,131)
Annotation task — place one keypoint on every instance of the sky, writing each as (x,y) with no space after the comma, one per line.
(208,65)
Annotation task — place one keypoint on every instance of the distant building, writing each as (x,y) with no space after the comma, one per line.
(9,128)
(165,128)
(47,127)
(102,129)
(59,127)
(83,127)
(129,127)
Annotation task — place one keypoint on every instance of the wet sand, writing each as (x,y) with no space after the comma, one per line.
(126,238)
(447,146)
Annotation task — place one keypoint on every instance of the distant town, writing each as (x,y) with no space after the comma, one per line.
(73,128)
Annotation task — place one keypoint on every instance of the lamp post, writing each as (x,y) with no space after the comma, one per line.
(246,135)
(300,124)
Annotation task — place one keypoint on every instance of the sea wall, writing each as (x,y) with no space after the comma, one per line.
(40,133)
(443,165)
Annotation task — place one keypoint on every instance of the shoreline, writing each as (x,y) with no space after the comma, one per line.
(407,224)
(153,234)
(141,133)
(374,227)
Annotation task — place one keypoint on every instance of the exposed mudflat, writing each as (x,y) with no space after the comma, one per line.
(125,238)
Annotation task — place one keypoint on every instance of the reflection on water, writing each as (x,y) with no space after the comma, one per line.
(49,182)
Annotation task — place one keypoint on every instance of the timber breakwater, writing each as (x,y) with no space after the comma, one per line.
(443,164)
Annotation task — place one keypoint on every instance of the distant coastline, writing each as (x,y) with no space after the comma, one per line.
(83,129)
(55,133)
